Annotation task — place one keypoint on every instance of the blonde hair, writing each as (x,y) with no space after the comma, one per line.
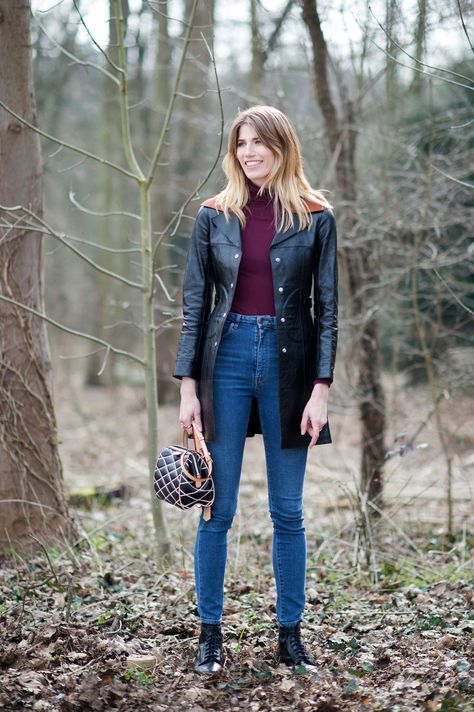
(286,182)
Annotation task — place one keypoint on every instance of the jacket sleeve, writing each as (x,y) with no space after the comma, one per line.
(197,293)
(325,295)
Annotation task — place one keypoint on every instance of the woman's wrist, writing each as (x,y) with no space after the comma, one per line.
(320,390)
(188,385)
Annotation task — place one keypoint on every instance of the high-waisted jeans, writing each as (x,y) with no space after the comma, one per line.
(247,366)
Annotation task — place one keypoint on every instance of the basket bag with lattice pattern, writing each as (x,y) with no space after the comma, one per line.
(183,477)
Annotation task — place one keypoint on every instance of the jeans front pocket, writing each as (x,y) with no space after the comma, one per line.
(228,327)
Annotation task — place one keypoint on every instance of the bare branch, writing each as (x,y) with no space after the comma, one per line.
(169,111)
(456,180)
(461,304)
(74,58)
(53,233)
(93,40)
(124,108)
(120,213)
(74,332)
(76,149)
(31,226)
(175,220)
(418,61)
(464,25)
(163,286)
(272,40)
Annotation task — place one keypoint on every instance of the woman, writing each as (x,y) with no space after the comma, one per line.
(253,358)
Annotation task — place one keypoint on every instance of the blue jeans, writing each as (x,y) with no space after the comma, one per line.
(247,366)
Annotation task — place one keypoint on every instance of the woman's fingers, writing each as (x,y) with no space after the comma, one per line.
(312,423)
(198,421)
(190,411)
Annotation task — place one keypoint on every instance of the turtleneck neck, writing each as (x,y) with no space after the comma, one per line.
(264,197)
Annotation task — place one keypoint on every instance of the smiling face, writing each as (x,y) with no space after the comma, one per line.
(255,158)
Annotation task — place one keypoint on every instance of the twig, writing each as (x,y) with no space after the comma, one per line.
(124,108)
(74,332)
(53,570)
(464,25)
(93,40)
(171,103)
(72,147)
(74,58)
(177,216)
(96,213)
(416,69)
(57,236)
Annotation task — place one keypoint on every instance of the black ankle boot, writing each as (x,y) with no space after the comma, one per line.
(210,657)
(291,650)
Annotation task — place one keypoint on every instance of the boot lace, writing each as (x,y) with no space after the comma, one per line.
(212,646)
(297,650)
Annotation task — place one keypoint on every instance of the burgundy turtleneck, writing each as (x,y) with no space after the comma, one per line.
(254,291)
(253,294)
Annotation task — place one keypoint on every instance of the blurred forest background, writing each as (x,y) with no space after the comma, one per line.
(400,79)
(381,98)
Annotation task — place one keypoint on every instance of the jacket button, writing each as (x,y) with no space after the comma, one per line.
(280,289)
(224,314)
(284,350)
(282,319)
(215,343)
(236,256)
(277,259)
(231,285)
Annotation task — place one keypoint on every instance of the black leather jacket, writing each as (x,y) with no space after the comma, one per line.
(304,266)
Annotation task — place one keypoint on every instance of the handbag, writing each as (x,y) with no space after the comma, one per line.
(183,477)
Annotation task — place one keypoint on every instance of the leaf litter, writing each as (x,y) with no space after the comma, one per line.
(101,626)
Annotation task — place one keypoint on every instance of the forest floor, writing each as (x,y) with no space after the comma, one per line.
(390,612)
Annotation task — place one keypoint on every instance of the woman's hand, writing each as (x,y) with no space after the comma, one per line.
(190,408)
(315,414)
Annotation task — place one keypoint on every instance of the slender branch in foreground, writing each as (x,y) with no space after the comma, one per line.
(174,93)
(176,219)
(96,213)
(31,226)
(57,236)
(73,57)
(93,40)
(455,296)
(464,24)
(124,108)
(72,147)
(74,332)
(455,180)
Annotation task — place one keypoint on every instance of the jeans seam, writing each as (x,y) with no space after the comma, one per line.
(198,568)
(280,576)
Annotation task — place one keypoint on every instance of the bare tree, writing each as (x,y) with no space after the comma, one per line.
(360,267)
(149,280)
(261,46)
(32,502)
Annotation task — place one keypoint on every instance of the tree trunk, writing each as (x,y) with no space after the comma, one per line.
(419,44)
(256,66)
(111,231)
(359,264)
(32,501)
